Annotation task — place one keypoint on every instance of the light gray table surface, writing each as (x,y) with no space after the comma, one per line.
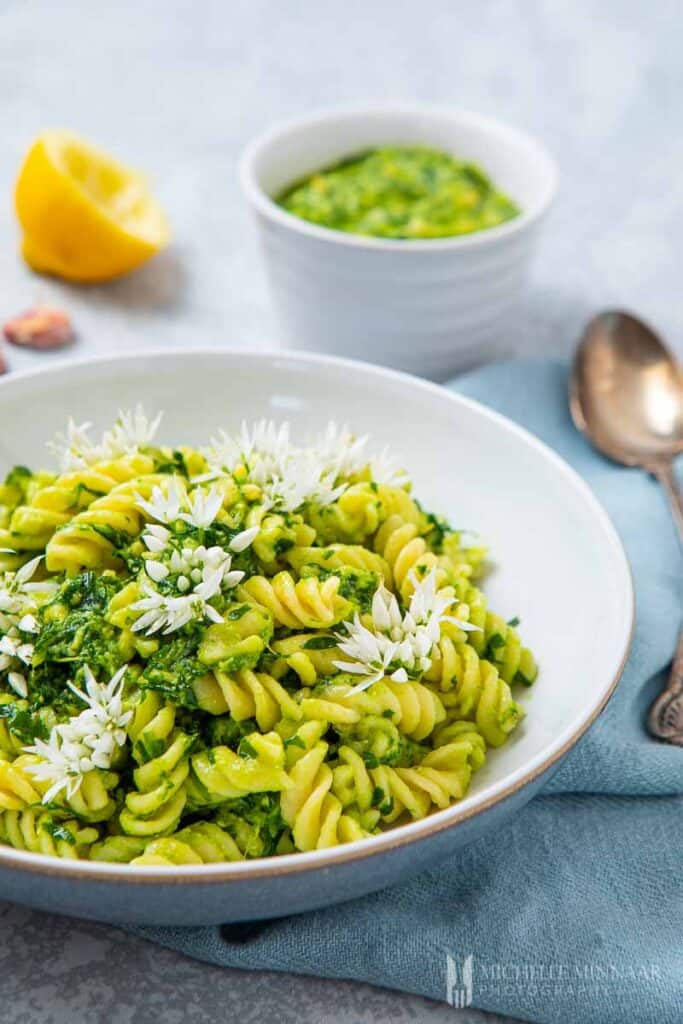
(178,88)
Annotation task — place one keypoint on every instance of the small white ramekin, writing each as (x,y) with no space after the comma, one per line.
(429,306)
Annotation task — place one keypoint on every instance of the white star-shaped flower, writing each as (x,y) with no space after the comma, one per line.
(20,594)
(162,612)
(203,507)
(340,451)
(74,449)
(385,469)
(165,502)
(371,653)
(399,645)
(87,741)
(132,431)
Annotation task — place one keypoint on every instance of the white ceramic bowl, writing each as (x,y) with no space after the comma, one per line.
(428,307)
(559,565)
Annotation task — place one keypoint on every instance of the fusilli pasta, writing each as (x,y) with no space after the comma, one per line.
(241,651)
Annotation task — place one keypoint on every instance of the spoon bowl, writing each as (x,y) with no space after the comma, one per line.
(627,391)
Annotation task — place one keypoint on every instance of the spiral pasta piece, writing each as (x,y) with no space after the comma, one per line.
(88,541)
(161,751)
(353,517)
(497,712)
(39,832)
(17,785)
(457,669)
(442,776)
(413,707)
(308,603)
(445,664)
(497,640)
(310,655)
(396,501)
(339,556)
(219,774)
(91,802)
(314,814)
(461,559)
(504,648)
(354,788)
(18,488)
(11,744)
(406,552)
(462,732)
(167,852)
(32,525)
(277,536)
(481,695)
(389,793)
(201,843)
(118,849)
(245,694)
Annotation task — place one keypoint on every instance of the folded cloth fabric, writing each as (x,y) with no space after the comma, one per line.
(573,911)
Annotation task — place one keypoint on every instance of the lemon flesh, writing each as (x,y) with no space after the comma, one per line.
(85,217)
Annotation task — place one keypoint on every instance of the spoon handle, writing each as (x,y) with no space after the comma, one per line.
(664,471)
(665,720)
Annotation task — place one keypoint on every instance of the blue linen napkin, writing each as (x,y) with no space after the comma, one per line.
(573,911)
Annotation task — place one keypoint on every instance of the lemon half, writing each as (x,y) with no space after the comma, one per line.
(85,216)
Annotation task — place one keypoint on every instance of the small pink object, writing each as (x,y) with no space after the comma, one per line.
(40,327)
(3,362)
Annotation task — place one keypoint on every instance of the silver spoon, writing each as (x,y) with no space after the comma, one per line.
(626,395)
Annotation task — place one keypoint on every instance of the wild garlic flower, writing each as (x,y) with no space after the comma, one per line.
(372,653)
(171,504)
(287,475)
(385,469)
(166,613)
(20,595)
(296,480)
(203,569)
(164,503)
(188,560)
(341,451)
(87,741)
(197,575)
(19,598)
(264,442)
(290,475)
(15,652)
(346,455)
(203,507)
(183,576)
(75,449)
(405,641)
(132,431)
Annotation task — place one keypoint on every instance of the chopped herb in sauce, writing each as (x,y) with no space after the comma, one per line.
(409,192)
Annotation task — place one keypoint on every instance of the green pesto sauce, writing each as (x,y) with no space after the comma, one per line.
(409,192)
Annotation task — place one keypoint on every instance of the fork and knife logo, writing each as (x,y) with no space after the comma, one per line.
(459,982)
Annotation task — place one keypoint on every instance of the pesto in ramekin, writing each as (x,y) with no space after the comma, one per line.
(409,192)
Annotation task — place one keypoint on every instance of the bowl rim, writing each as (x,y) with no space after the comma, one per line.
(508,134)
(398,836)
